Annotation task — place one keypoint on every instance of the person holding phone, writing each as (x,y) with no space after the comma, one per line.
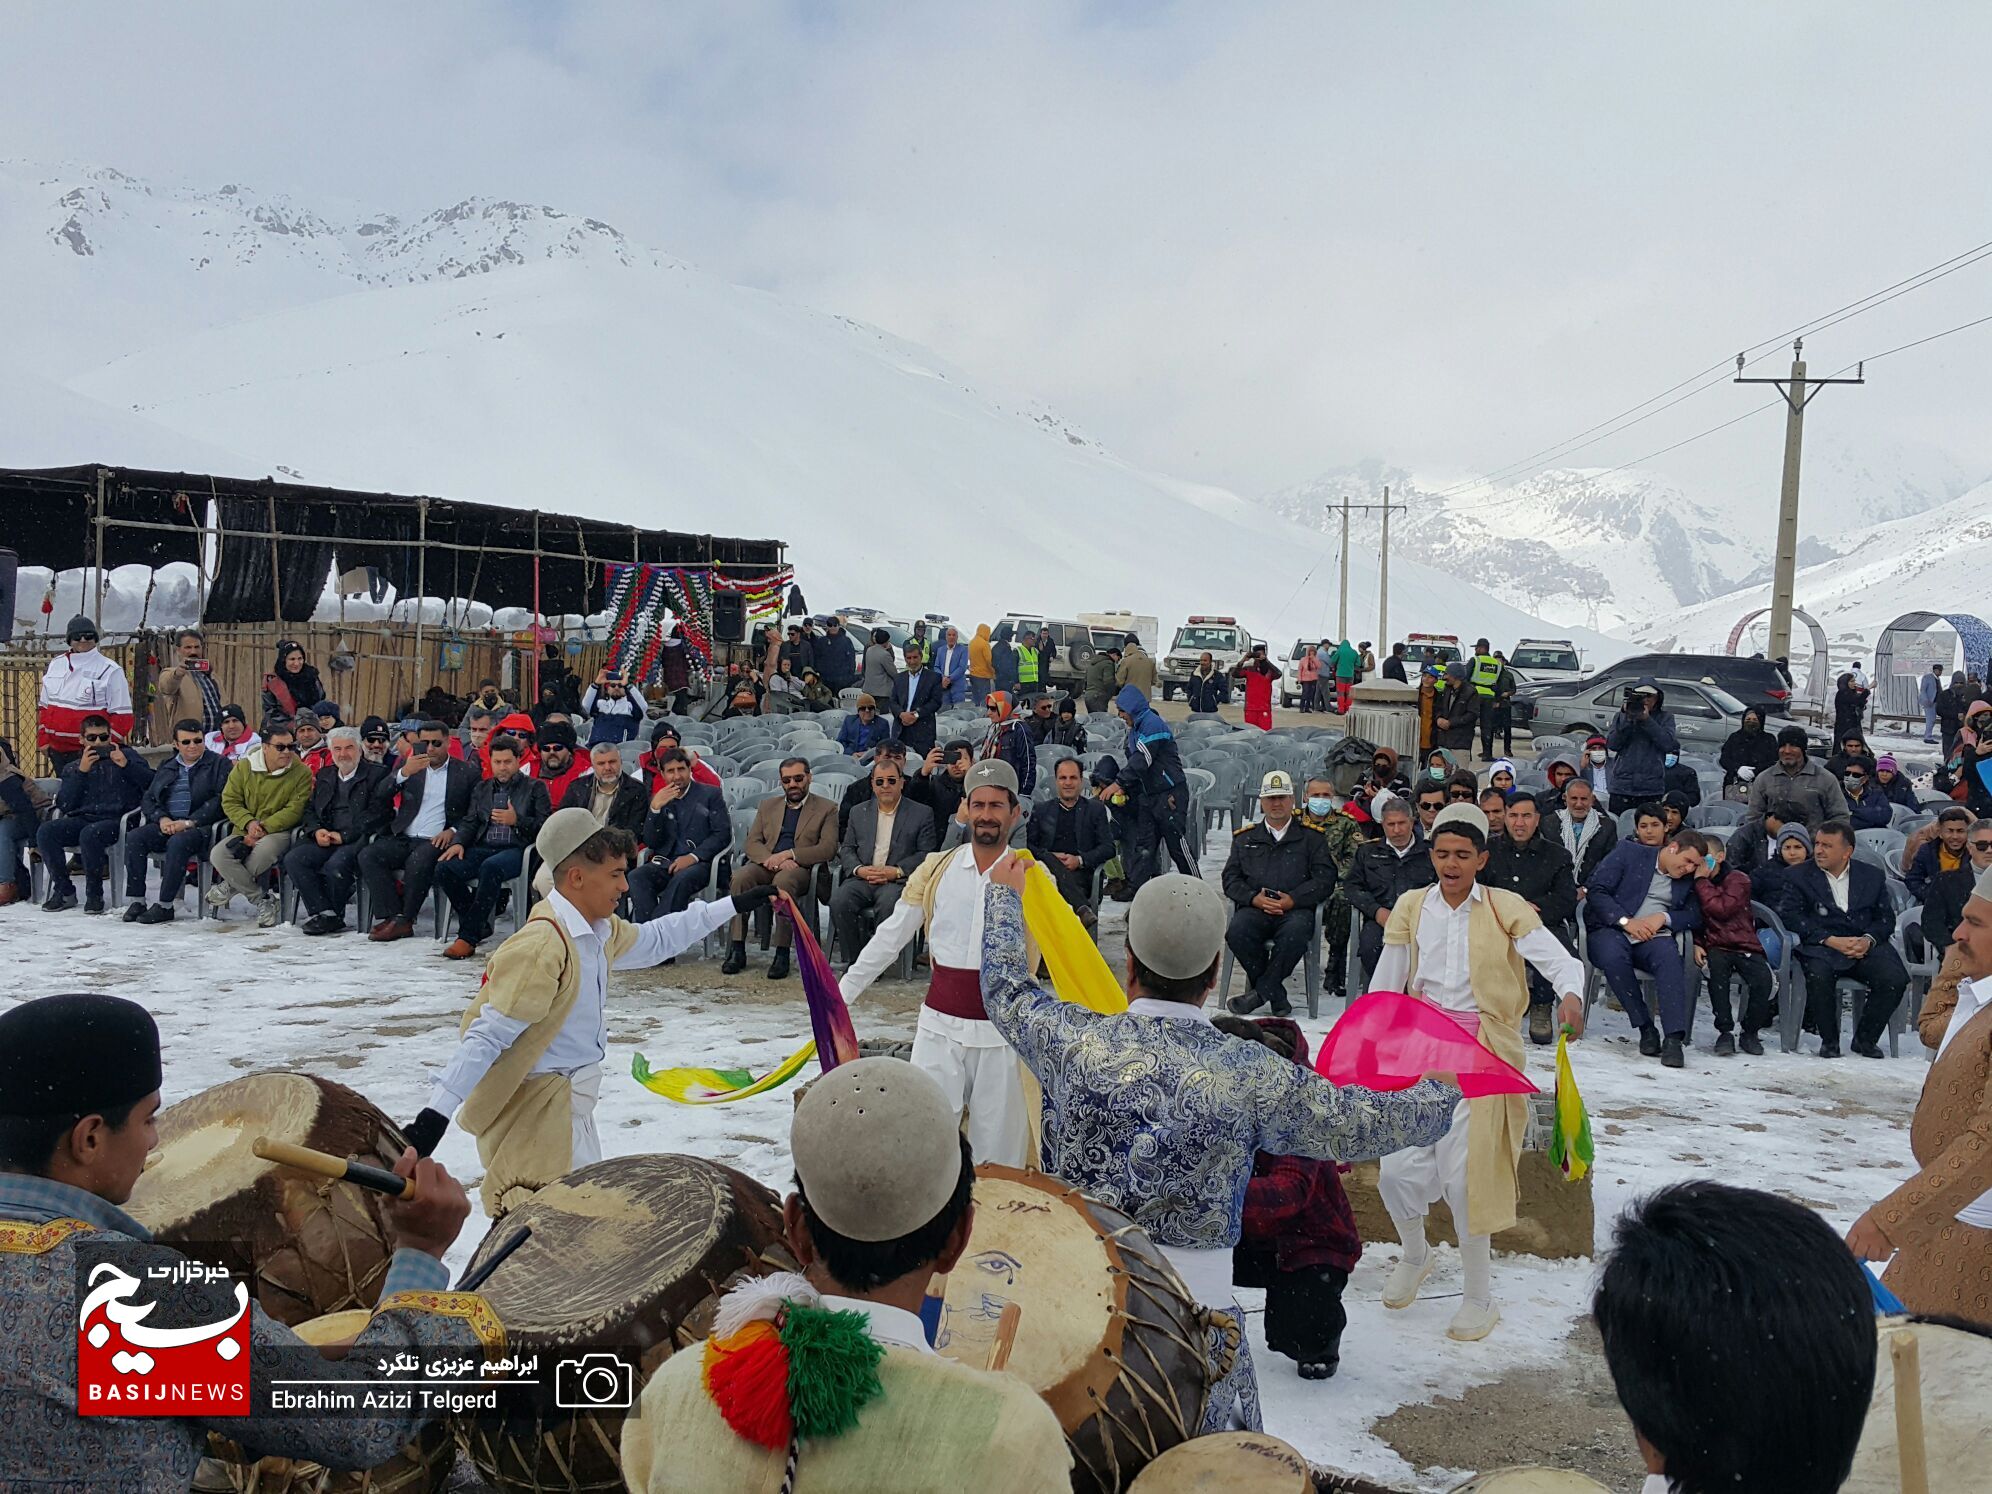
(97,791)
(613,707)
(186,690)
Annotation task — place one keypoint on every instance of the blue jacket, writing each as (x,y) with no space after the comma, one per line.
(204,782)
(1620,884)
(1003,658)
(1873,810)
(1813,916)
(836,661)
(854,736)
(695,825)
(106,792)
(1154,764)
(1639,747)
(952,662)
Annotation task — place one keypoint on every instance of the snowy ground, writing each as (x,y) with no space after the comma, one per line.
(232,998)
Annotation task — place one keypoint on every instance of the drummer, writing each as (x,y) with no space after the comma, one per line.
(79,1087)
(1156,1112)
(528,1068)
(884,1199)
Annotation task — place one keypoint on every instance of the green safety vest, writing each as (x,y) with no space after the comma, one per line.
(1027,673)
(1486,672)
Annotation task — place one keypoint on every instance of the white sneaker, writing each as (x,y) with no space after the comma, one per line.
(1473,1322)
(1401,1290)
(269,911)
(219,894)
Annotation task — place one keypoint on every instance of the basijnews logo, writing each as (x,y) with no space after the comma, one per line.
(129,1364)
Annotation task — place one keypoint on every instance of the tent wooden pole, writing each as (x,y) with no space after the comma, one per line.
(421,590)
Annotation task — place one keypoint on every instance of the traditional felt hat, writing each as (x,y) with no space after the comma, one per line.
(877,1148)
(564,833)
(1175,926)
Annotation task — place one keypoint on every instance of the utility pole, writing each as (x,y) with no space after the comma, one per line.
(1798,392)
(1386,508)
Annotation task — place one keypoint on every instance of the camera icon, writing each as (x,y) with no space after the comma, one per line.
(594,1382)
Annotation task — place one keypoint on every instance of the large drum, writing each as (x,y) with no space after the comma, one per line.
(1954,1366)
(422,1467)
(1227,1463)
(628,1254)
(1531,1480)
(308,1246)
(1108,1336)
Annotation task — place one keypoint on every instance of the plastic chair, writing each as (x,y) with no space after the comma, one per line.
(1594,977)
(1712,813)
(1310,966)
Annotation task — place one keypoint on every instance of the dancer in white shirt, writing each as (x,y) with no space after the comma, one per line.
(955,1041)
(1462,947)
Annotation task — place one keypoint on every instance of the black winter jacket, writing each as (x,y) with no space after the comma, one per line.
(1300,865)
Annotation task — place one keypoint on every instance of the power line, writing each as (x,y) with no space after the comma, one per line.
(1961,327)
(1621,422)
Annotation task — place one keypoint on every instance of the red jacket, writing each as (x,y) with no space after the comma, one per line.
(1296,1204)
(1726,920)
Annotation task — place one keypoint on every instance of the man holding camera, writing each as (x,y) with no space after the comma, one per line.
(98,790)
(614,709)
(1641,737)
(185,690)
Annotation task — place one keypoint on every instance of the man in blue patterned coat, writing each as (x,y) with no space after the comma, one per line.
(79,1087)
(1156,1112)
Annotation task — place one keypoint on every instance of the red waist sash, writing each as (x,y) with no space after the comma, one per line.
(958,993)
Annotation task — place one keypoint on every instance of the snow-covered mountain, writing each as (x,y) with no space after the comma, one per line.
(516,355)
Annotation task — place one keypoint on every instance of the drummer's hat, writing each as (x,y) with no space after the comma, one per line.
(877,1148)
(1175,926)
(564,833)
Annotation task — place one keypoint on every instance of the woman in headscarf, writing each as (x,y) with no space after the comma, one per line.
(1747,751)
(1009,739)
(293,685)
(1849,708)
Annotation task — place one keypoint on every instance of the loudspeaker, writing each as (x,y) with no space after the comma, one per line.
(10,569)
(729,617)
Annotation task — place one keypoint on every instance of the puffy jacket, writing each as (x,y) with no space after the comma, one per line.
(106,792)
(1755,750)
(276,800)
(1154,762)
(836,660)
(1205,692)
(1639,747)
(981,665)
(1873,810)
(1809,797)
(1298,865)
(1725,906)
(204,785)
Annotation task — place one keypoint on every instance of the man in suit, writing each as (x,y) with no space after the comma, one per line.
(1584,828)
(687,830)
(506,812)
(887,838)
(435,796)
(613,797)
(178,808)
(793,833)
(1382,871)
(1637,900)
(1072,837)
(351,800)
(916,699)
(1839,911)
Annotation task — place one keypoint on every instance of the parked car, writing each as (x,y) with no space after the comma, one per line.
(1704,715)
(1221,637)
(1444,646)
(1546,661)
(1074,642)
(1290,681)
(1753,681)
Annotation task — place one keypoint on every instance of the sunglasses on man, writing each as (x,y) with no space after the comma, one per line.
(96,737)
(792,782)
(1981,845)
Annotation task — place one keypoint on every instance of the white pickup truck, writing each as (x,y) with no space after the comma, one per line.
(1546,661)
(1221,637)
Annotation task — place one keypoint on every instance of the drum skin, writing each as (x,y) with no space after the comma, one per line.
(308,1246)
(1109,1335)
(630,1254)
(422,1467)
(1954,1368)
(1227,1463)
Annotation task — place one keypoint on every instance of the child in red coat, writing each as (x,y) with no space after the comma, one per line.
(1727,945)
(1299,1238)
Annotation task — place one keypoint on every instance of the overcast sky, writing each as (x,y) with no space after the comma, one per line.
(1235,241)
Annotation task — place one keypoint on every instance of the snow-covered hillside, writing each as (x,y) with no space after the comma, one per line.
(516,356)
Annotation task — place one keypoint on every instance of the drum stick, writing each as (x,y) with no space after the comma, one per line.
(1006,1336)
(933,1306)
(325,1165)
(476,1277)
(1909,1448)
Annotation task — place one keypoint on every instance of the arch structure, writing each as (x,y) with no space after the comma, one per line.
(1818,692)
(1896,694)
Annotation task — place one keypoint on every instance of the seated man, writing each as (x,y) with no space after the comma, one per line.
(1942,852)
(1072,837)
(883,1201)
(1868,808)
(1649,825)
(886,840)
(1586,831)
(435,797)
(179,809)
(310,740)
(1537,869)
(1948,891)
(79,1090)
(862,730)
(1278,873)
(1430,800)
(1716,1297)
(615,798)
(687,831)
(1639,898)
(97,791)
(351,800)
(559,763)
(489,851)
(265,799)
(1382,872)
(1839,911)
(793,833)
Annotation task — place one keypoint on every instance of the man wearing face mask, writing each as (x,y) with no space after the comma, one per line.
(1348,826)
(1595,769)
(1278,872)
(1681,779)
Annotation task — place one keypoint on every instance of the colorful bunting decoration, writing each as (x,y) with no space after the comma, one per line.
(640,597)
(764,594)
(1570,1145)
(1387,1040)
